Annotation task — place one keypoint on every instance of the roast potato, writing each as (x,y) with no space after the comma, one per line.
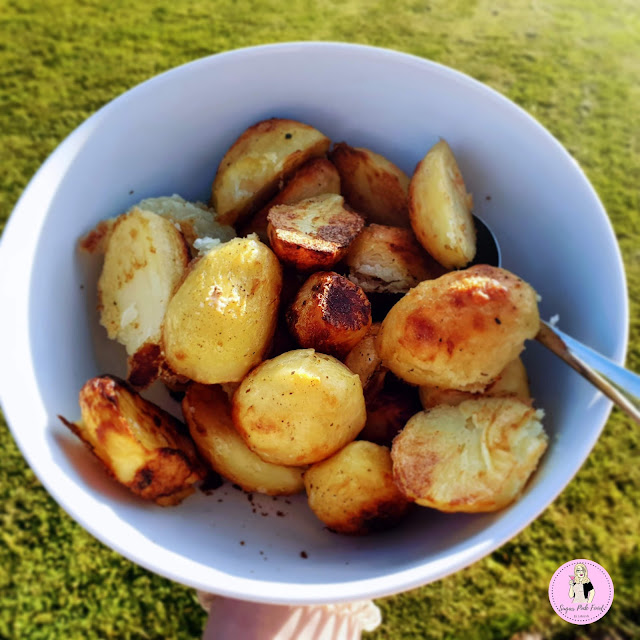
(260,159)
(512,382)
(372,185)
(330,314)
(299,408)
(440,208)
(389,260)
(353,492)
(314,178)
(143,447)
(473,457)
(313,234)
(145,260)
(220,321)
(460,330)
(364,360)
(207,411)
(97,240)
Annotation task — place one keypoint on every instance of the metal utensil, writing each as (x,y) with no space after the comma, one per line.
(620,385)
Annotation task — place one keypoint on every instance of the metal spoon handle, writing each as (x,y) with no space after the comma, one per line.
(594,367)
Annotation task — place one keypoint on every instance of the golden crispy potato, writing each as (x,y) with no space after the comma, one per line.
(314,178)
(372,185)
(460,330)
(313,234)
(259,160)
(299,408)
(221,320)
(474,457)
(512,382)
(389,260)
(440,208)
(145,260)
(364,360)
(97,240)
(207,411)
(330,314)
(353,492)
(143,447)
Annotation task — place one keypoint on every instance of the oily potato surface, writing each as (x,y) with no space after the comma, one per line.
(353,492)
(364,360)
(440,208)
(207,411)
(512,382)
(372,185)
(299,408)
(142,447)
(386,259)
(330,314)
(221,320)
(459,331)
(474,457)
(265,154)
(313,234)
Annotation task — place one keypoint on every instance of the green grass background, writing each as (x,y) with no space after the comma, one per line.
(574,64)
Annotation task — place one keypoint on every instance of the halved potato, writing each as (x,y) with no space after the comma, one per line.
(207,411)
(220,322)
(330,314)
(143,447)
(145,260)
(389,260)
(353,492)
(313,234)
(474,457)
(299,408)
(460,330)
(512,382)
(440,208)
(260,159)
(314,178)
(372,185)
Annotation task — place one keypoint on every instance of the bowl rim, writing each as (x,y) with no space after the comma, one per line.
(21,226)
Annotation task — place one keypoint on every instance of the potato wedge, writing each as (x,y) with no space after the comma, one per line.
(145,260)
(512,382)
(313,234)
(364,360)
(389,260)
(460,330)
(440,208)
(353,492)
(142,447)
(330,314)
(254,167)
(372,185)
(299,408)
(207,411)
(314,178)
(96,241)
(220,322)
(474,457)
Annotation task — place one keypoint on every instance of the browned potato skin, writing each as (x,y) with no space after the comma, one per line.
(314,178)
(372,185)
(330,314)
(460,330)
(207,412)
(472,458)
(364,360)
(512,382)
(292,142)
(155,459)
(353,492)
(313,234)
(386,259)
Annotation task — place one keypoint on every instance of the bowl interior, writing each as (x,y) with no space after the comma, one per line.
(167,136)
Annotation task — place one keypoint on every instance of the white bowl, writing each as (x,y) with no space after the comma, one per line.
(166,136)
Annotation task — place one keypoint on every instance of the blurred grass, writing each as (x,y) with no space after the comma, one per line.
(574,64)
